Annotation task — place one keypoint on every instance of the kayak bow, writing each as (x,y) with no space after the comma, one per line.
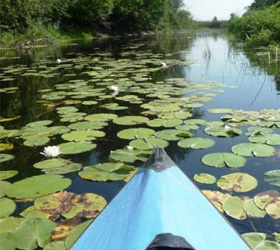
(160,208)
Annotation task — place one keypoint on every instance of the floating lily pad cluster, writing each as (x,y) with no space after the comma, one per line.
(259,206)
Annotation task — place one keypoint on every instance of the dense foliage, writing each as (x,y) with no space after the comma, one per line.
(260,27)
(260,4)
(110,15)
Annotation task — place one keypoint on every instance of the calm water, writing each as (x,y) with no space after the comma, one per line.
(216,59)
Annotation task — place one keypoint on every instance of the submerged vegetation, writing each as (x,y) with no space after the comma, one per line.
(48,21)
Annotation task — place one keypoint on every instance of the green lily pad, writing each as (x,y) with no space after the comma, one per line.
(254,239)
(87,125)
(9,224)
(255,131)
(6,157)
(52,163)
(7,174)
(268,245)
(270,139)
(253,149)
(273,208)
(238,182)
(37,186)
(3,186)
(75,234)
(76,147)
(233,207)
(130,120)
(8,206)
(252,209)
(34,141)
(100,117)
(148,143)
(83,135)
(205,178)
(106,172)
(196,143)
(277,236)
(135,133)
(33,232)
(221,130)
(6,146)
(216,198)
(262,199)
(273,177)
(172,134)
(39,123)
(7,241)
(69,168)
(219,160)
(164,123)
(129,155)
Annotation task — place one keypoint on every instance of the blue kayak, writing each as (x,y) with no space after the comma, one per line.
(160,208)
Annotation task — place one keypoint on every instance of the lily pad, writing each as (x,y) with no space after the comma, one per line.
(83,135)
(34,141)
(217,198)
(56,245)
(7,241)
(7,174)
(69,168)
(130,120)
(148,143)
(270,139)
(3,186)
(252,209)
(238,182)
(222,130)
(76,147)
(164,123)
(205,178)
(233,207)
(39,123)
(219,160)
(52,163)
(273,177)
(135,133)
(9,224)
(100,117)
(6,157)
(196,143)
(253,149)
(129,155)
(106,172)
(254,239)
(6,146)
(87,125)
(262,199)
(273,208)
(172,134)
(8,206)
(219,111)
(37,186)
(268,245)
(75,234)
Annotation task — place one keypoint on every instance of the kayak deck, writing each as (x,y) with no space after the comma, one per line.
(159,207)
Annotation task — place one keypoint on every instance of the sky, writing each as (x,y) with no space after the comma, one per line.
(207,9)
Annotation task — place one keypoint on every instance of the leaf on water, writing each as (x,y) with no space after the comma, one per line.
(238,182)
(130,120)
(148,143)
(196,143)
(254,239)
(6,146)
(7,174)
(83,135)
(233,207)
(219,160)
(6,157)
(76,147)
(253,149)
(129,155)
(135,133)
(3,186)
(172,134)
(262,199)
(252,209)
(217,198)
(8,206)
(273,177)
(205,178)
(37,186)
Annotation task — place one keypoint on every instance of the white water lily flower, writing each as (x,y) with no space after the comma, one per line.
(227,127)
(51,151)
(163,64)
(58,60)
(114,88)
(129,148)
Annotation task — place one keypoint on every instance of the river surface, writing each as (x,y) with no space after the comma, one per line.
(214,58)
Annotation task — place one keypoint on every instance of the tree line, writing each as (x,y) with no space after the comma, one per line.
(101,15)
